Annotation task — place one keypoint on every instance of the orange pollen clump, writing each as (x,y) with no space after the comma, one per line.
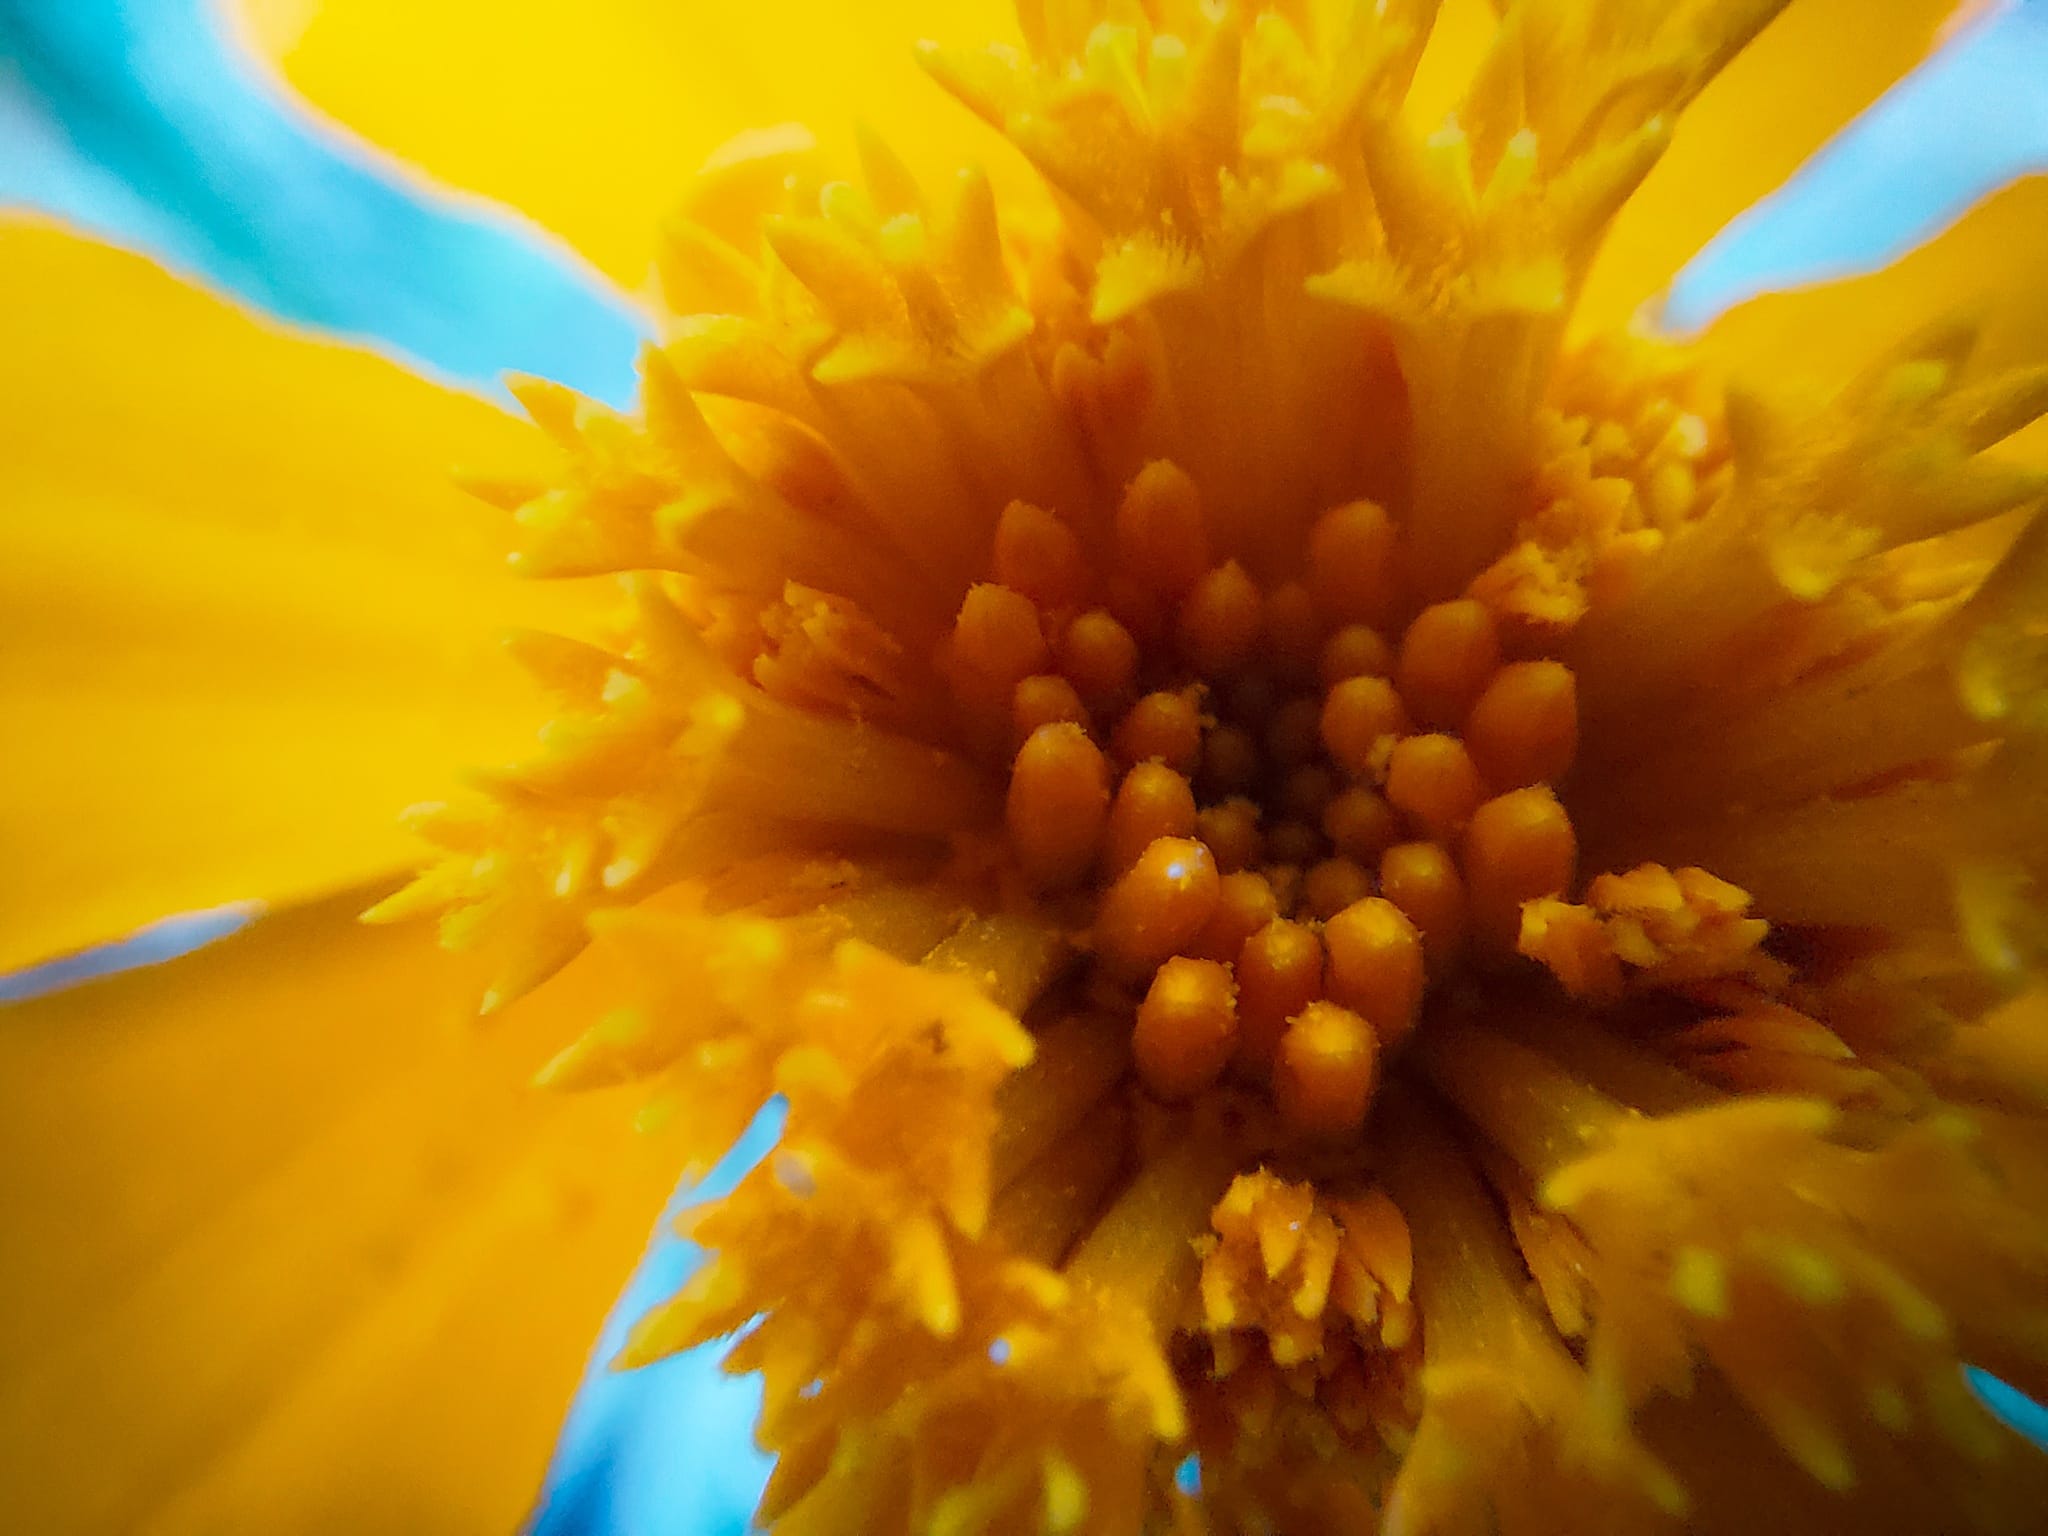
(1283,1255)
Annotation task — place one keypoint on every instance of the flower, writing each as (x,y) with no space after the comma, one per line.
(1336,875)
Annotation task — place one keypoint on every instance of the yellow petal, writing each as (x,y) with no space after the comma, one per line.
(245,616)
(590,118)
(1803,78)
(292,1244)
(1984,271)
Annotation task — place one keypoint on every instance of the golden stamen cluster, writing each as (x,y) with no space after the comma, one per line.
(1278,817)
(1329,881)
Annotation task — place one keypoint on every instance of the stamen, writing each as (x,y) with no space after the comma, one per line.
(1279,974)
(1158,906)
(1245,904)
(1220,620)
(1422,880)
(1160,534)
(1163,727)
(1099,657)
(1325,1071)
(1448,656)
(1375,965)
(1152,802)
(1044,699)
(1518,848)
(1432,781)
(1524,728)
(1351,564)
(1186,1028)
(1058,804)
(1361,719)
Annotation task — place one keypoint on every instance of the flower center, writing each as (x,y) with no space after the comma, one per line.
(1277,809)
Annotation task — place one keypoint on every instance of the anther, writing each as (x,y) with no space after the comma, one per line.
(1231,829)
(1519,846)
(996,644)
(1360,824)
(1305,791)
(1325,1072)
(1152,802)
(1291,633)
(1160,536)
(1356,650)
(1359,717)
(1351,563)
(1057,804)
(1244,904)
(1230,760)
(1162,726)
(1423,881)
(1043,699)
(1375,965)
(1285,878)
(1158,906)
(1186,1027)
(1219,619)
(1099,657)
(1038,555)
(1328,886)
(1447,657)
(1292,842)
(1279,973)
(1525,727)
(1431,781)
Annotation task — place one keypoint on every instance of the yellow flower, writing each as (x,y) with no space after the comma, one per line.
(1343,866)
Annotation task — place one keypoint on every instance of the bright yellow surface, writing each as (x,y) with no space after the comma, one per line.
(1806,75)
(245,616)
(287,1231)
(589,118)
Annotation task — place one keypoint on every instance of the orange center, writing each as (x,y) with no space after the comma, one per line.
(1279,805)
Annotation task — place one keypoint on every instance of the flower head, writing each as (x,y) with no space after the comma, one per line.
(1336,876)
(1254,796)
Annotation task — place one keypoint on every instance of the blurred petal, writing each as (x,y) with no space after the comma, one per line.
(245,617)
(286,1255)
(590,118)
(147,125)
(1968,121)
(676,81)
(1987,267)
(1810,71)
(633,1438)
(163,940)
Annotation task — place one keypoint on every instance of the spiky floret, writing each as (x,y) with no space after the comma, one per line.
(1120,689)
